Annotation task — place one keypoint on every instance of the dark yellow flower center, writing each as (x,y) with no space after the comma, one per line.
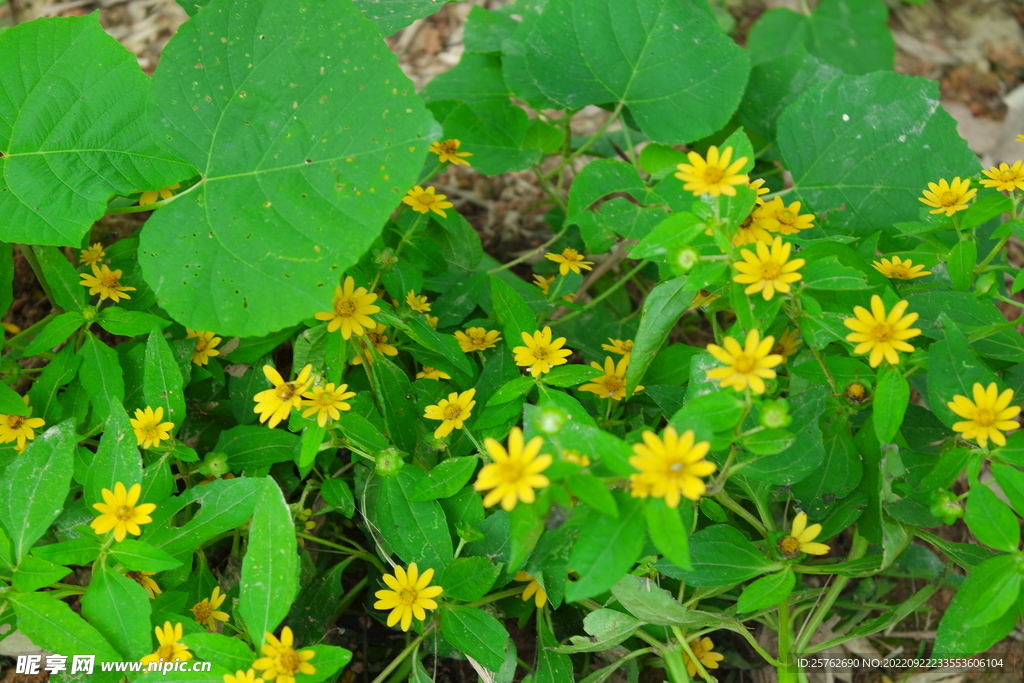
(984,417)
(289,661)
(449,147)
(789,546)
(713,175)
(900,271)
(881,331)
(613,384)
(540,353)
(770,270)
(124,513)
(326,399)
(786,217)
(151,431)
(15,421)
(166,652)
(510,471)
(676,469)
(202,610)
(135,576)
(375,338)
(285,392)
(452,411)
(346,308)
(949,198)
(200,345)
(744,363)
(109,280)
(477,339)
(856,391)
(426,199)
(407,596)
(698,649)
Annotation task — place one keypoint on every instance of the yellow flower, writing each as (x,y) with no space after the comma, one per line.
(612,384)
(703,297)
(150,196)
(449,151)
(670,467)
(715,176)
(800,539)
(106,283)
(19,428)
(569,259)
(351,310)
(426,200)
(92,255)
(856,392)
(432,373)
(453,411)
(789,218)
(149,430)
(768,271)
(206,346)
(477,339)
(1005,178)
(119,512)
(431,320)
(757,227)
(205,611)
(575,457)
(540,597)
(243,677)
(1020,138)
(326,402)
(788,343)
(417,303)
(623,347)
(11,328)
(379,341)
(281,661)
(541,352)
(898,269)
(758,187)
(515,472)
(170,649)
(142,578)
(948,198)
(543,282)
(276,403)
(748,365)
(703,651)
(987,417)
(410,595)
(879,334)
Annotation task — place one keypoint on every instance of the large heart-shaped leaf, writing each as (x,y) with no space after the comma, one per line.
(306,134)
(73,130)
(666,60)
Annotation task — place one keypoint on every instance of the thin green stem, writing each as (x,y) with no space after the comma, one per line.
(30,256)
(530,254)
(727,501)
(593,138)
(155,205)
(991,255)
(824,368)
(362,554)
(689,653)
(810,627)
(785,636)
(383,675)
(29,331)
(493,597)
(606,293)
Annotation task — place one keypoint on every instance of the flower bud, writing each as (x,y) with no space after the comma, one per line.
(550,419)
(389,461)
(775,414)
(89,312)
(686,258)
(214,464)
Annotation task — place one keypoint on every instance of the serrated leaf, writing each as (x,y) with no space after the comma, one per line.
(476,633)
(57,172)
(445,480)
(892,396)
(294,113)
(119,609)
(661,311)
(416,531)
(669,532)
(117,458)
(680,76)
(862,148)
(828,273)
(607,628)
(142,556)
(393,15)
(570,375)
(230,653)
(101,376)
(766,591)
(338,493)
(721,556)
(55,332)
(607,550)
(962,258)
(44,619)
(645,601)
(469,578)
(116,320)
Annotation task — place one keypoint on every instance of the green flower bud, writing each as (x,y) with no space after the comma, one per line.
(550,419)
(89,312)
(215,464)
(686,258)
(389,461)
(775,414)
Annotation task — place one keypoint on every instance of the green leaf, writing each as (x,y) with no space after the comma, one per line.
(476,77)
(476,633)
(552,667)
(669,532)
(512,390)
(1011,481)
(775,84)
(394,396)
(954,633)
(991,520)
(671,99)
(721,556)
(807,452)
(984,321)
(329,661)
(119,609)
(766,591)
(162,384)
(34,573)
(849,34)
(311,440)
(525,529)
(6,278)
(390,16)
(707,414)
(251,447)
(317,127)
(607,550)
(867,143)
(11,403)
(486,29)
(644,600)
(512,313)
(142,556)
(953,369)
(672,234)
(892,396)
(445,480)
(230,653)
(594,492)
(117,458)
(962,259)
(494,131)
(828,273)
(607,628)
(985,209)
(661,311)
(65,285)
(270,568)
(116,320)
(226,504)
(101,376)
(416,531)
(59,171)
(445,346)
(55,332)
(570,375)
(655,158)
(338,493)
(469,578)
(601,178)
(44,619)
(33,487)
(840,472)
(75,551)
